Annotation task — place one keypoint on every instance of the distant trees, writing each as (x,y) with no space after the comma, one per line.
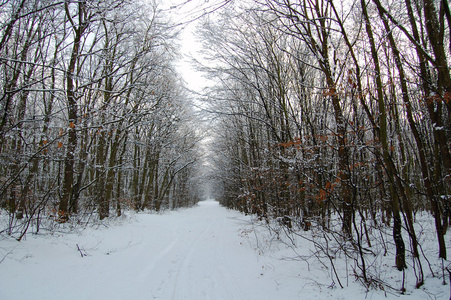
(93,115)
(335,111)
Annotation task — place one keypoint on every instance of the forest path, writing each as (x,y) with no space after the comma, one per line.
(197,253)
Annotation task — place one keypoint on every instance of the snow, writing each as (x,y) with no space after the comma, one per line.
(205,252)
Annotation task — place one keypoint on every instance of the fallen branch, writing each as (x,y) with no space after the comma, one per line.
(81,252)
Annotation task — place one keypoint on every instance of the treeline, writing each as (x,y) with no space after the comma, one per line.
(93,116)
(335,110)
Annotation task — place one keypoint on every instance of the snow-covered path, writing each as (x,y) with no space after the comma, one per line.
(204,252)
(197,253)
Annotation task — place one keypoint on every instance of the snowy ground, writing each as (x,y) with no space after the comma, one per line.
(205,252)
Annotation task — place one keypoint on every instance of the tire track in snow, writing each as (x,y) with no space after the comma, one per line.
(176,265)
(167,265)
(231,287)
(195,256)
(183,271)
(151,266)
(211,282)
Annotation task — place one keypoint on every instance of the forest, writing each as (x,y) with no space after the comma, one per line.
(94,117)
(327,116)
(336,116)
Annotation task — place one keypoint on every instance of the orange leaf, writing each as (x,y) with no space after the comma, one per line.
(328,185)
(60,144)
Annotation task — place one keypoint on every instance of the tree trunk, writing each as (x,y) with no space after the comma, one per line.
(69,160)
(383,139)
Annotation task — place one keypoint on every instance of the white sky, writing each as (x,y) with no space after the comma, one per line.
(187,13)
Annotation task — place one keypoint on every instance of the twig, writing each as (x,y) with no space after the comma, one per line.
(81,252)
(8,253)
(449,272)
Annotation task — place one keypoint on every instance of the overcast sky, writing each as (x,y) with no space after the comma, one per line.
(187,14)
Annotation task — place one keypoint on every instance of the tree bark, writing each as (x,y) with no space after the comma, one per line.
(383,139)
(72,113)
